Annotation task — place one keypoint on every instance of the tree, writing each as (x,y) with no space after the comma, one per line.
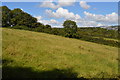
(18,19)
(40,28)
(70,27)
(48,26)
(21,18)
(6,16)
(35,25)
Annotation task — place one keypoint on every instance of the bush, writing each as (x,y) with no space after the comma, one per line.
(20,27)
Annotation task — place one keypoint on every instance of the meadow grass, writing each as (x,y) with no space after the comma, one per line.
(45,52)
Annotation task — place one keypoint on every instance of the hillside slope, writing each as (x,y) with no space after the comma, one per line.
(26,54)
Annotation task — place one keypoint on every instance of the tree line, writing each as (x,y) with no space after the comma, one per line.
(18,19)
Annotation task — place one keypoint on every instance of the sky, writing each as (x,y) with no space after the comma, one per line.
(85,14)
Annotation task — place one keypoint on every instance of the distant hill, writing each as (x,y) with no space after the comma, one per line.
(28,54)
(110,27)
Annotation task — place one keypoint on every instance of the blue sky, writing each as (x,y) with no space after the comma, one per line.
(84,13)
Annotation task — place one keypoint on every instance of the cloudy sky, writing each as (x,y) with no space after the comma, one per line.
(86,14)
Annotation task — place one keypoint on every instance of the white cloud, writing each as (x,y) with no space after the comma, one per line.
(84,5)
(85,23)
(99,24)
(107,19)
(89,20)
(49,5)
(52,22)
(59,4)
(38,17)
(63,13)
(22,9)
(66,2)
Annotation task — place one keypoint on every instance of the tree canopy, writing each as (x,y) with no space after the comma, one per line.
(6,17)
(70,27)
(17,17)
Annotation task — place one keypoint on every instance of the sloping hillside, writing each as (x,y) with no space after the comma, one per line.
(31,54)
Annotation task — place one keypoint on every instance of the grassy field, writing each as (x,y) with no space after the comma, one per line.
(29,54)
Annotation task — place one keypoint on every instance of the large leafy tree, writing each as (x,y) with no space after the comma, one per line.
(21,18)
(70,27)
(6,16)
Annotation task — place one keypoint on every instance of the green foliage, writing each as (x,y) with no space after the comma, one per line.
(6,17)
(70,24)
(48,26)
(70,27)
(98,32)
(17,17)
(21,18)
(21,27)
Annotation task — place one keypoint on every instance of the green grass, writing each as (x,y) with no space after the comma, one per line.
(111,39)
(108,39)
(31,54)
